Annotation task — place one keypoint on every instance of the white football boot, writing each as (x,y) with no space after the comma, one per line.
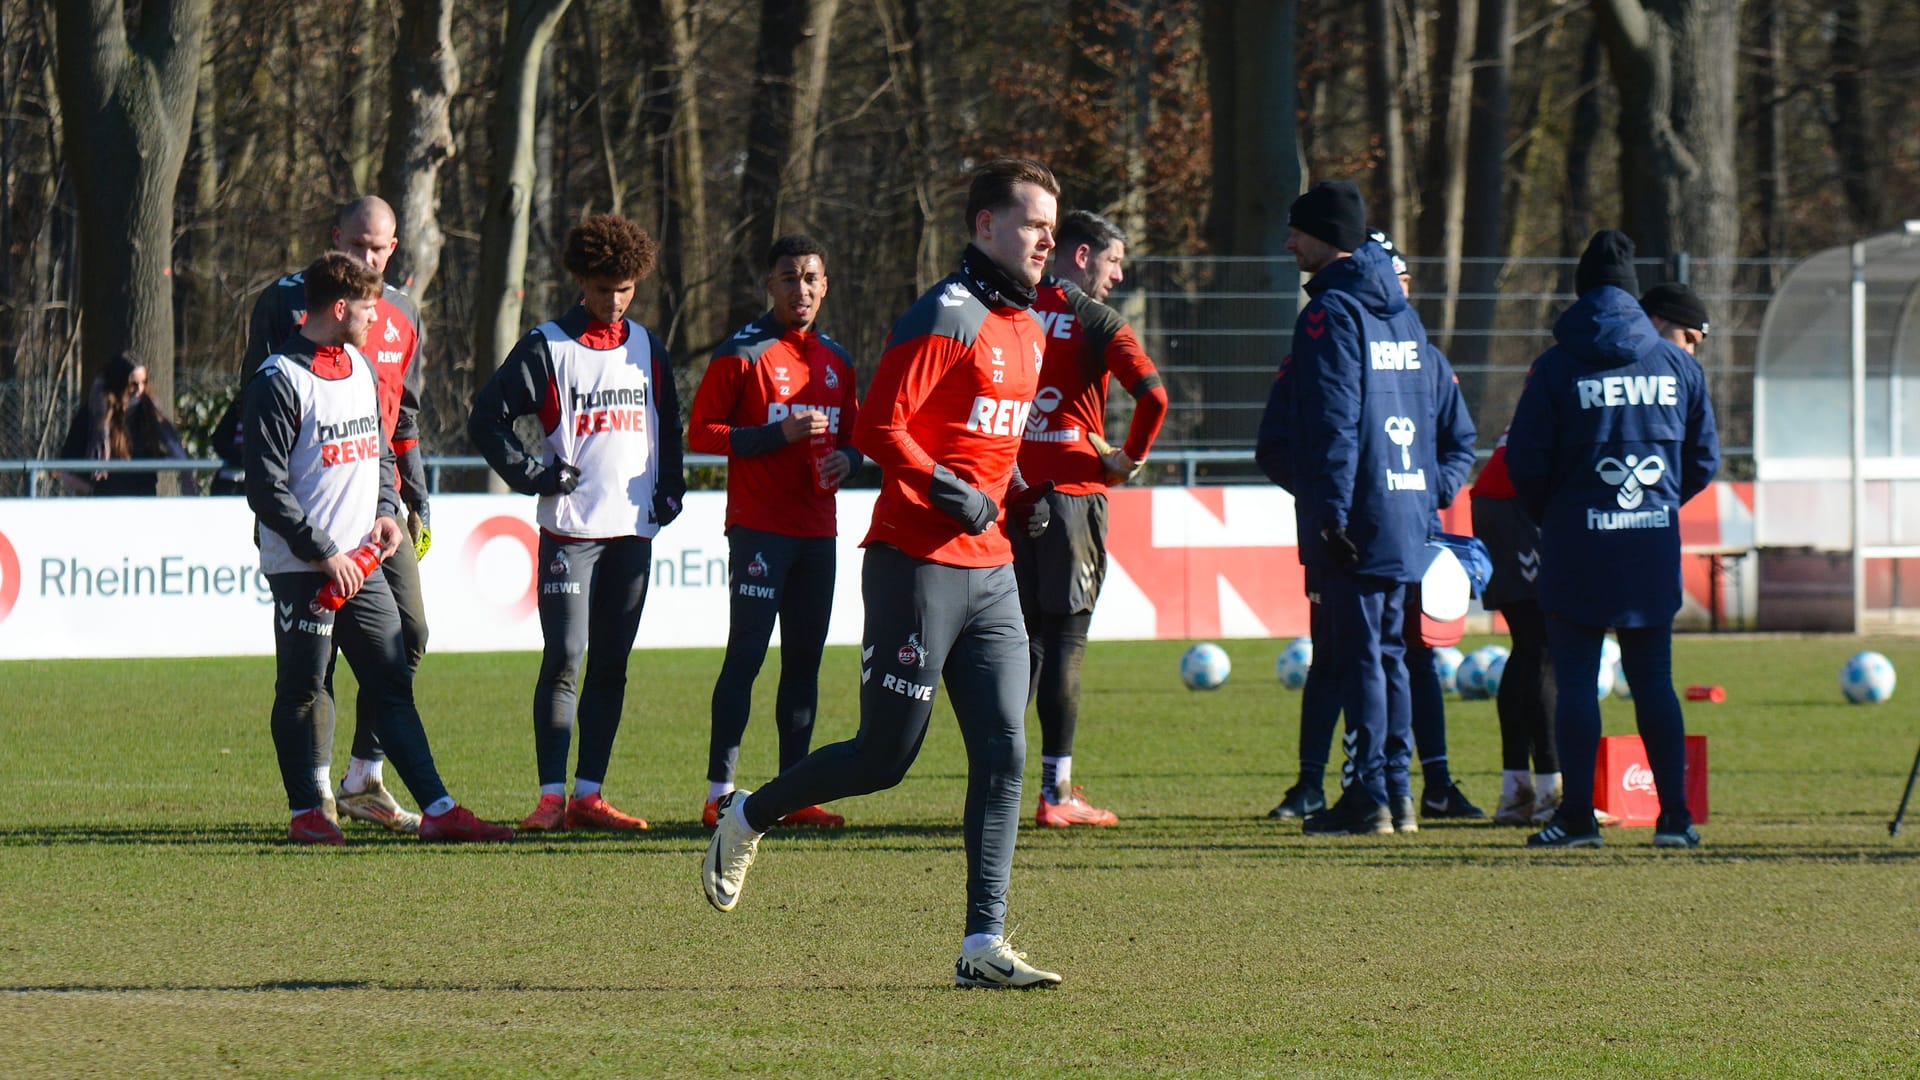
(730,852)
(996,966)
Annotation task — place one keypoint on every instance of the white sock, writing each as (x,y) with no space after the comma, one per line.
(323,776)
(1545,784)
(1056,773)
(976,941)
(1511,781)
(554,789)
(584,788)
(362,774)
(440,806)
(717,788)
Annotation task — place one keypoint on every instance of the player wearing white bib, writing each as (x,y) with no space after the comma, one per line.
(602,388)
(319,480)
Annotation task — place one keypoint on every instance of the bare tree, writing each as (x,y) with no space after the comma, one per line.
(1673,63)
(126,99)
(426,72)
(1389,202)
(1256,143)
(503,242)
(1444,199)
(1852,127)
(1486,188)
(790,69)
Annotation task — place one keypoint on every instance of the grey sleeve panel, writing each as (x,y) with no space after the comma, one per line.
(947,310)
(750,341)
(753,441)
(413,381)
(517,389)
(273,422)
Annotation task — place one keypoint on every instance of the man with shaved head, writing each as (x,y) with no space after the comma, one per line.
(364,230)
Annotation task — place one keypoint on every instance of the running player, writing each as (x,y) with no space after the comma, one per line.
(1065,442)
(602,388)
(364,229)
(943,419)
(320,476)
(778,399)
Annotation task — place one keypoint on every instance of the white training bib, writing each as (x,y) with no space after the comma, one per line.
(334,467)
(608,427)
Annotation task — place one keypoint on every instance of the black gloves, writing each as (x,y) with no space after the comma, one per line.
(962,501)
(559,478)
(665,507)
(1341,550)
(1028,509)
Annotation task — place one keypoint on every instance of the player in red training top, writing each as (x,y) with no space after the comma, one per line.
(609,480)
(778,399)
(943,421)
(365,230)
(1060,572)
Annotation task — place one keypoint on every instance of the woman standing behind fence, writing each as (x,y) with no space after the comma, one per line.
(1613,433)
(118,421)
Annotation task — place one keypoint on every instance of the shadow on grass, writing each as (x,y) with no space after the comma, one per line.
(281,986)
(681,837)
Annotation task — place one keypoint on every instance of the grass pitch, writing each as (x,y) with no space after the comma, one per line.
(155,923)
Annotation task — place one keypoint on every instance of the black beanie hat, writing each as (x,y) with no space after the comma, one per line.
(1677,304)
(1608,260)
(1331,210)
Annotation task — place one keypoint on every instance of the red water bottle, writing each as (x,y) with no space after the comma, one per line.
(367,558)
(1715,694)
(821,445)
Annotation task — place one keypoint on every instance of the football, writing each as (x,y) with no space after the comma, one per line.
(1867,678)
(1603,682)
(1470,679)
(1609,652)
(1205,666)
(1496,670)
(1294,661)
(1446,664)
(1620,688)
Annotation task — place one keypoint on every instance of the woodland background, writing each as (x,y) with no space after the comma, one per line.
(161,161)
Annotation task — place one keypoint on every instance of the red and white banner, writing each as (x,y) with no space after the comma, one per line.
(179,577)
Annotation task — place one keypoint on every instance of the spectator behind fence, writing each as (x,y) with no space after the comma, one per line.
(118,421)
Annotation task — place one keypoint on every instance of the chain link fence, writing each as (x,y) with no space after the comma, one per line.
(1216,327)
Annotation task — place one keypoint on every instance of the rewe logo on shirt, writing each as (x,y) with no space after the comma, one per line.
(1056,324)
(1394,355)
(995,416)
(348,441)
(1628,390)
(780,410)
(595,412)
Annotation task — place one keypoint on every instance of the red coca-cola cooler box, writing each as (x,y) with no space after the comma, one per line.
(1623,784)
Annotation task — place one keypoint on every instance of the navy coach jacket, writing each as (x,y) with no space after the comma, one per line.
(1361,431)
(1613,432)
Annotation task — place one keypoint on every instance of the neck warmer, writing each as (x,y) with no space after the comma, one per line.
(993,285)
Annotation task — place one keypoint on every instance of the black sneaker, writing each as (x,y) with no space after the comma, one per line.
(1404,819)
(1448,802)
(1666,835)
(1300,800)
(1556,834)
(1353,815)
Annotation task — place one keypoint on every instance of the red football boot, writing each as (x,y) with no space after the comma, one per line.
(812,817)
(594,812)
(459,826)
(312,827)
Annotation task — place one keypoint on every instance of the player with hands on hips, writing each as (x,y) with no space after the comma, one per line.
(602,388)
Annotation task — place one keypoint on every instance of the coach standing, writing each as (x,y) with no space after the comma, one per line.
(1363,447)
(1612,435)
(943,421)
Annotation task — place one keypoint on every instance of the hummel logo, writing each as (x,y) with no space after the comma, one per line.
(1633,477)
(1529,564)
(286,617)
(955,295)
(866,672)
(1400,430)
(1316,323)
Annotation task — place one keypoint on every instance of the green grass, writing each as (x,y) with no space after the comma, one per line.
(155,923)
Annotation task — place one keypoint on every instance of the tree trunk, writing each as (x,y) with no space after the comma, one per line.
(357,73)
(669,28)
(426,72)
(1859,153)
(1486,183)
(1576,220)
(1256,146)
(910,62)
(1673,63)
(1388,206)
(503,237)
(1444,199)
(127,114)
(776,184)
(1769,140)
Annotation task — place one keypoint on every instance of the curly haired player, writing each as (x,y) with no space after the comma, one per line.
(602,387)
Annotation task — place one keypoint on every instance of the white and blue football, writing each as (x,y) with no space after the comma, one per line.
(1446,664)
(1867,678)
(1496,670)
(1205,666)
(1294,662)
(1470,678)
(1609,652)
(1620,688)
(1605,679)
